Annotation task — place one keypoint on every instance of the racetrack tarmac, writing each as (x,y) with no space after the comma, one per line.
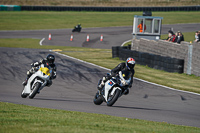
(75,87)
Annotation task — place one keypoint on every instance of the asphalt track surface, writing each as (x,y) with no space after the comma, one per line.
(75,86)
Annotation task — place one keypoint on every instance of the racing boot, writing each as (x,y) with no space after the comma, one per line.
(26,80)
(126,92)
(101,83)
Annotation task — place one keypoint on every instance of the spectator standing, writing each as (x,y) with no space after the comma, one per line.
(177,37)
(171,36)
(180,37)
(197,37)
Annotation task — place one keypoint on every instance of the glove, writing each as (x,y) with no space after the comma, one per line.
(108,77)
(123,82)
(104,79)
(126,83)
(35,64)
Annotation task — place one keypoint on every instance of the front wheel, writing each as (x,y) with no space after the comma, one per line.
(34,90)
(23,95)
(113,98)
(97,99)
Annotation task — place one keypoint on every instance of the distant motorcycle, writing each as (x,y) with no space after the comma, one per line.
(112,90)
(37,81)
(77,28)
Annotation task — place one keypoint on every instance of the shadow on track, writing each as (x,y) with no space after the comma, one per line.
(50,99)
(135,108)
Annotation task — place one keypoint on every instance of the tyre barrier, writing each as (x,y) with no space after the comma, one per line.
(108,9)
(115,52)
(151,60)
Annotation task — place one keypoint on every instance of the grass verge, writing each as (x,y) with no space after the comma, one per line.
(103,57)
(15,118)
(58,20)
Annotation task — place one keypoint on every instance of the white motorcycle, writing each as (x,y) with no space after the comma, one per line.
(112,90)
(37,81)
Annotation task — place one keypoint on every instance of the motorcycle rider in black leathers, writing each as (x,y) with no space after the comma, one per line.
(78,26)
(126,69)
(49,61)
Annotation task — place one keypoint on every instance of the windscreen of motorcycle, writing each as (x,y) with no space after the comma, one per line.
(126,74)
(45,70)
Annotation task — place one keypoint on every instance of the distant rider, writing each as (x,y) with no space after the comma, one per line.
(124,69)
(49,61)
(78,26)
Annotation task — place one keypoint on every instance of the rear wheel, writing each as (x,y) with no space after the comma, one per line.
(113,98)
(97,99)
(34,90)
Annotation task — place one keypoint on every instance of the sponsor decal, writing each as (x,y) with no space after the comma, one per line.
(110,83)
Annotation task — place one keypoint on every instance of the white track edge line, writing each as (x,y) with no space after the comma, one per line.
(133,77)
(42,41)
(125,42)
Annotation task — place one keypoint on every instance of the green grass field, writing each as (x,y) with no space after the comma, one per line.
(59,20)
(15,118)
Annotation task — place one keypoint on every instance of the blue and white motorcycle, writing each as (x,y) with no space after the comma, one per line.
(112,90)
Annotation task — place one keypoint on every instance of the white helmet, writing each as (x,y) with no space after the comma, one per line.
(130,63)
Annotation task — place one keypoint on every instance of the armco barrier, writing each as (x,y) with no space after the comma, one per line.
(154,61)
(106,9)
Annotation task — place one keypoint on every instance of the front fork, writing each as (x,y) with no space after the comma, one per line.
(42,86)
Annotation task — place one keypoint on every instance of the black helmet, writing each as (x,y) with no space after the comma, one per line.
(50,59)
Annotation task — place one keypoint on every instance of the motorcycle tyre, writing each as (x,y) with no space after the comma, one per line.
(23,95)
(97,99)
(35,90)
(114,99)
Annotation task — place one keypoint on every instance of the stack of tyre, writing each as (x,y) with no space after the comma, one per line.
(118,51)
(151,60)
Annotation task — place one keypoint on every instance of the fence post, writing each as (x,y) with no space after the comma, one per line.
(189,63)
